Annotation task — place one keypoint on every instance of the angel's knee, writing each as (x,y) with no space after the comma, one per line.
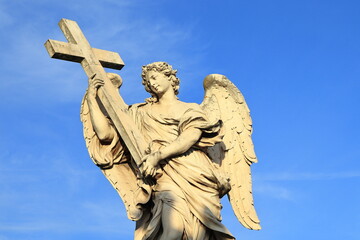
(172,223)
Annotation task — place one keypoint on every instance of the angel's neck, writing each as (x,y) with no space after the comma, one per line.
(167,98)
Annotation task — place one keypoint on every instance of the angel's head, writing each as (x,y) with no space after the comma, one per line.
(164,71)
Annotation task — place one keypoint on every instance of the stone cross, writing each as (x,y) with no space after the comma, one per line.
(93,60)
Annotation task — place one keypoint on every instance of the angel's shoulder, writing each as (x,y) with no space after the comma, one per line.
(188,107)
(137,106)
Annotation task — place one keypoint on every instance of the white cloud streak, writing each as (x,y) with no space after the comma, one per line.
(307,176)
(140,40)
(272,190)
(34,193)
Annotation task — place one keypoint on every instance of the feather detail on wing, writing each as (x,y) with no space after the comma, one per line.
(235,153)
(115,163)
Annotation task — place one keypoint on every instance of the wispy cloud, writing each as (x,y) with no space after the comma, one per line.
(272,190)
(5,18)
(270,184)
(305,176)
(65,226)
(33,194)
(139,40)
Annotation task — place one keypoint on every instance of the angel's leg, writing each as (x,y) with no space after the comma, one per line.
(172,223)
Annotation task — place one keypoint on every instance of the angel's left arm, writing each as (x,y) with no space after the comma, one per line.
(181,144)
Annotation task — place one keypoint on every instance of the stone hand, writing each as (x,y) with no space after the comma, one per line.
(94,85)
(151,164)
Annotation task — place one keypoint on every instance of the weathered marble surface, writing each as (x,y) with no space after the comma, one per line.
(170,161)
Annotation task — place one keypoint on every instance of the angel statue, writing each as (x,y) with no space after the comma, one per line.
(195,155)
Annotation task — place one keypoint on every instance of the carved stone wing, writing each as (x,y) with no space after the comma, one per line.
(236,153)
(115,163)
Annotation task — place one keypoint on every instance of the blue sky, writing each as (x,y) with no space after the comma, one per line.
(296,62)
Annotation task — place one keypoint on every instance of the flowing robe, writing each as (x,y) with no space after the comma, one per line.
(190,183)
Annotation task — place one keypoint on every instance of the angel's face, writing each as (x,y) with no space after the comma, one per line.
(159,83)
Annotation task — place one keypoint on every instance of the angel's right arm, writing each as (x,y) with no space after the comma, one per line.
(101,124)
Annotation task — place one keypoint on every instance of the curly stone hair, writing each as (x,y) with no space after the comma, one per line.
(164,68)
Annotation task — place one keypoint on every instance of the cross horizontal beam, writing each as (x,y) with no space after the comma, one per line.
(72,52)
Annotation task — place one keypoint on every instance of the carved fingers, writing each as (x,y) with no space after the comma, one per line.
(151,165)
(94,85)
